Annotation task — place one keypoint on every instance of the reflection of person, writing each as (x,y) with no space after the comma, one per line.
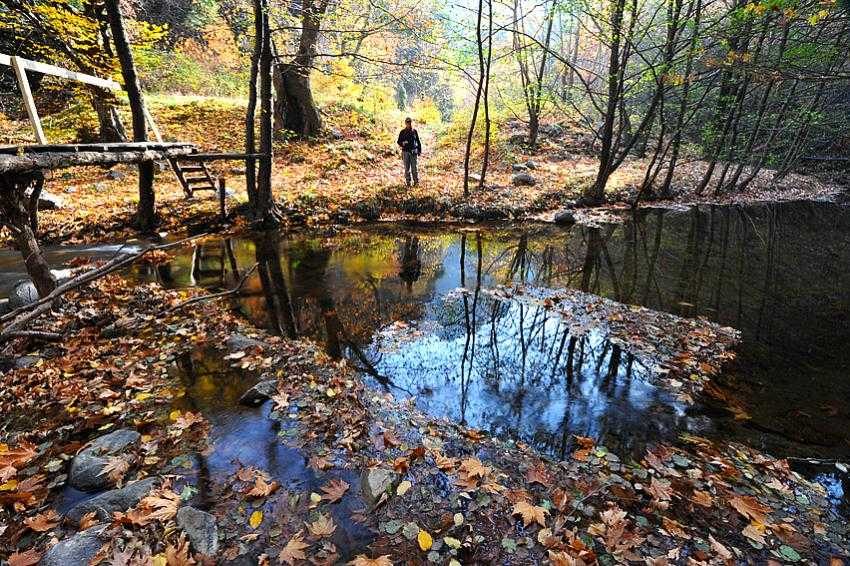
(411,149)
(411,265)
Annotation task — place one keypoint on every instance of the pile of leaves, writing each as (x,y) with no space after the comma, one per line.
(684,352)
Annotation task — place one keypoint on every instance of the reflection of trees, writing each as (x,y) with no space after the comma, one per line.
(275,292)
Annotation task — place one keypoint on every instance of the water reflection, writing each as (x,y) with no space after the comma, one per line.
(779,273)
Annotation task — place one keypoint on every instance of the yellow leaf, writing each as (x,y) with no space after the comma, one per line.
(255,519)
(403,487)
(424,539)
(160,560)
(9,485)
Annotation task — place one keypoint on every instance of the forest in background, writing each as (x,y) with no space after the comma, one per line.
(725,89)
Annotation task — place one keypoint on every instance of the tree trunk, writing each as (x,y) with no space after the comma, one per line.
(111,128)
(295,109)
(16,216)
(146,218)
(250,114)
(266,213)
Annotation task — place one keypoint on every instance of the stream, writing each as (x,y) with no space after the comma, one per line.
(386,297)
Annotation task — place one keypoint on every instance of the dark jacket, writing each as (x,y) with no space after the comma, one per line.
(408,140)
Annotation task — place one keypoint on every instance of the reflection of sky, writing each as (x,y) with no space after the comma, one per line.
(513,379)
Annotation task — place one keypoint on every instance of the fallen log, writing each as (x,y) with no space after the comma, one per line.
(41,161)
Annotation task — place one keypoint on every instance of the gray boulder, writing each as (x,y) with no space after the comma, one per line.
(23,293)
(260,393)
(77,550)
(516,167)
(47,201)
(115,175)
(4,306)
(87,468)
(111,501)
(337,134)
(565,218)
(237,342)
(530,164)
(523,180)
(374,482)
(474,177)
(201,529)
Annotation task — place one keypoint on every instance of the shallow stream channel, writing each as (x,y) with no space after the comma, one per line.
(388,297)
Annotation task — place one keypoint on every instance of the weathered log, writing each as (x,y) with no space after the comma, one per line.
(59,160)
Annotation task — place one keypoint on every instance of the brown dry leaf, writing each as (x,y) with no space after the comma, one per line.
(721,550)
(585,442)
(445,464)
(262,488)
(563,559)
(401,464)
(390,439)
(17,457)
(323,526)
(473,467)
(294,550)
(560,499)
(246,474)
(178,555)
(88,520)
(334,490)
(661,490)
(702,498)
(750,508)
(362,560)
(28,558)
(539,474)
(530,513)
(43,521)
(115,469)
(755,531)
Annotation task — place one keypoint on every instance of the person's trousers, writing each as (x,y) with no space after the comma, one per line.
(409,158)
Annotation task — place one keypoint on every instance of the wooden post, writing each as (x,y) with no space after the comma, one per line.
(222,204)
(29,103)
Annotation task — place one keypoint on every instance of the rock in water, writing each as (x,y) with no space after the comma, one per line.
(4,306)
(375,482)
(201,529)
(77,550)
(236,342)
(110,501)
(523,180)
(23,293)
(565,217)
(260,393)
(86,472)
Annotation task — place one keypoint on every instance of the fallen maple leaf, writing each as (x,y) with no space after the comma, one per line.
(362,560)
(473,467)
(530,513)
(294,550)
(178,555)
(539,474)
(115,469)
(334,490)
(43,521)
(323,526)
(750,508)
(28,558)
(262,488)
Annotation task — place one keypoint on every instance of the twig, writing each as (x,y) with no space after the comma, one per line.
(23,315)
(37,335)
(214,296)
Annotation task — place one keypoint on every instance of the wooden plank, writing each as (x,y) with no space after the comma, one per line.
(151,123)
(220,156)
(59,160)
(95,147)
(61,72)
(5,60)
(29,103)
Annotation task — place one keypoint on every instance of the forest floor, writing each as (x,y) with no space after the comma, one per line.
(355,174)
(358,475)
(367,478)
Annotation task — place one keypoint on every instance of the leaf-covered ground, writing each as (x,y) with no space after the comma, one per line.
(353,174)
(446,494)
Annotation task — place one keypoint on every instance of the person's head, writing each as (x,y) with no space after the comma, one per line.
(408,122)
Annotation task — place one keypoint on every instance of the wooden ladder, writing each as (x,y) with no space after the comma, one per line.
(193,176)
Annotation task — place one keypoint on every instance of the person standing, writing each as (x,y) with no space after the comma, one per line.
(411,149)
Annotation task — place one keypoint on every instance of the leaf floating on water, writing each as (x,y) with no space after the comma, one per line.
(530,513)
(425,541)
(255,519)
(294,550)
(323,526)
(334,490)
